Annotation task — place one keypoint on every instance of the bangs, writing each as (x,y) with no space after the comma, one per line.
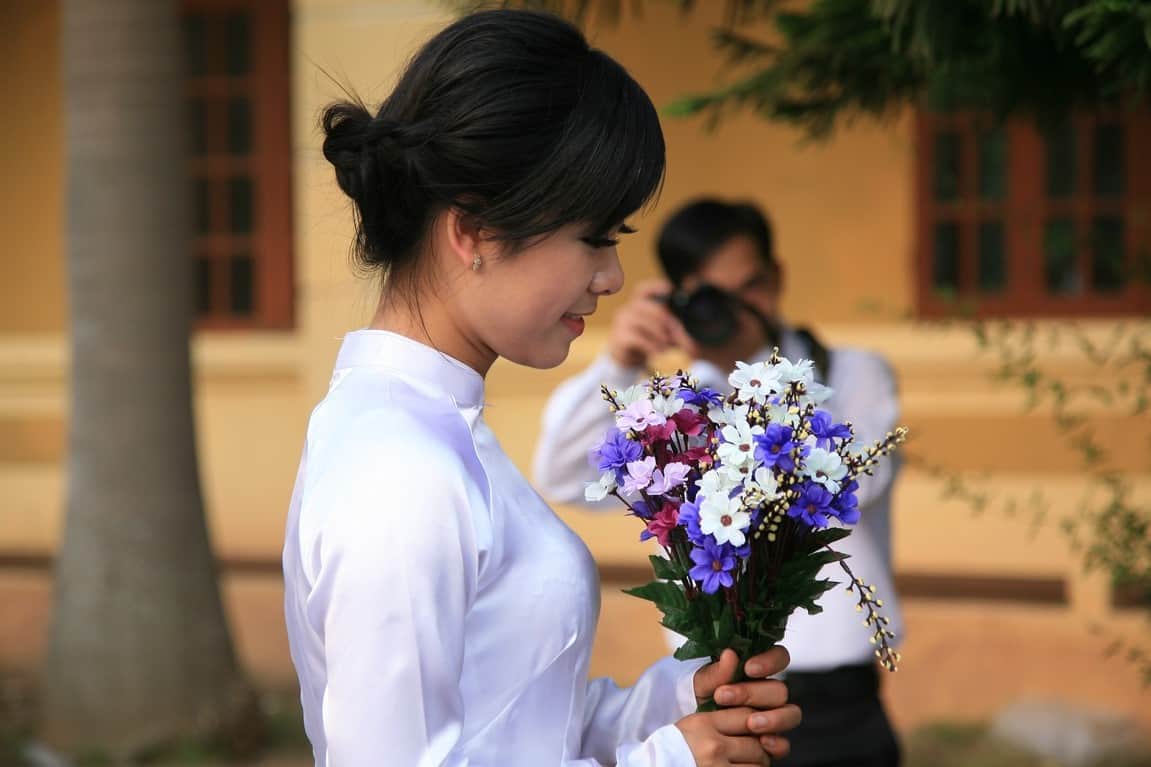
(610,158)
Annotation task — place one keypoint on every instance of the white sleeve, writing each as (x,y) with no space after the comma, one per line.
(868,397)
(392,594)
(575,419)
(639,716)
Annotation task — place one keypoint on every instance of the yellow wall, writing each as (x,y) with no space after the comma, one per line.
(31,170)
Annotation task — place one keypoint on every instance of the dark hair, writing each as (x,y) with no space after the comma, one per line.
(508,116)
(695,231)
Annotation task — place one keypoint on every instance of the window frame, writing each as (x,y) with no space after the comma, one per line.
(270,241)
(1024,209)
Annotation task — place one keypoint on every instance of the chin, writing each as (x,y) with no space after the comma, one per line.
(541,356)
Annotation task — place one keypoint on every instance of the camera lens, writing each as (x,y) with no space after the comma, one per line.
(708,314)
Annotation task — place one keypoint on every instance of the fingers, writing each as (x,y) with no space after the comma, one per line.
(681,338)
(769,693)
(775,721)
(775,745)
(734,721)
(768,663)
(711,676)
(653,288)
(740,751)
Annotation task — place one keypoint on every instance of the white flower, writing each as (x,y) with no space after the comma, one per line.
(728,414)
(716,482)
(666,406)
(818,393)
(631,394)
(825,468)
(738,446)
(724,519)
(782,415)
(737,475)
(754,383)
(793,372)
(765,482)
(601,488)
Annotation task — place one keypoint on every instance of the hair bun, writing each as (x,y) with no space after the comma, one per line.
(346,126)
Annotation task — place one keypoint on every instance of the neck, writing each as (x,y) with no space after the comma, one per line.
(426,319)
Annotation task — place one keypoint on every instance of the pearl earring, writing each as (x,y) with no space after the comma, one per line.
(476,263)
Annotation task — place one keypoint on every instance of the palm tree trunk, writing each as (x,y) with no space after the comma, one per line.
(139,650)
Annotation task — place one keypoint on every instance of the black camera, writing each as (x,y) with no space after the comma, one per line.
(710,315)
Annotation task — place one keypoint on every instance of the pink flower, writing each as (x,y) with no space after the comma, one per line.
(658,433)
(639,475)
(671,476)
(639,415)
(689,422)
(661,525)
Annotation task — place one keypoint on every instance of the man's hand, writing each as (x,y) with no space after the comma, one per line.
(644,327)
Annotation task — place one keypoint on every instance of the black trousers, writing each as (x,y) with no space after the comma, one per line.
(844,724)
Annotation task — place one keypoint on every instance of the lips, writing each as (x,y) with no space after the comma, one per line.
(574,322)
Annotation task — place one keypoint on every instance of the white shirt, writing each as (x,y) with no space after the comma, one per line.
(438,611)
(576,419)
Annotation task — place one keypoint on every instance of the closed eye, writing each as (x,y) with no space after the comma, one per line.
(608,242)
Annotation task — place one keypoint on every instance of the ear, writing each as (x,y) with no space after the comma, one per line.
(462,234)
(777,283)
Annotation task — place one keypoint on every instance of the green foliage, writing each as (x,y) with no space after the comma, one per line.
(833,60)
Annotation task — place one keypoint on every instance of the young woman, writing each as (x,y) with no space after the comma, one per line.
(438,611)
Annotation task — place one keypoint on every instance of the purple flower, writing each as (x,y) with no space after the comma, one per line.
(813,506)
(774,447)
(825,429)
(845,506)
(640,508)
(689,519)
(704,396)
(713,566)
(615,453)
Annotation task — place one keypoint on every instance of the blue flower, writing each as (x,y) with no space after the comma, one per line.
(813,506)
(825,429)
(713,566)
(615,453)
(845,506)
(774,448)
(641,509)
(704,396)
(689,519)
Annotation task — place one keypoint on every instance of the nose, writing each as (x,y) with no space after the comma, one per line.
(608,279)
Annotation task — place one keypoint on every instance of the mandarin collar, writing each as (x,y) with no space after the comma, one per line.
(413,360)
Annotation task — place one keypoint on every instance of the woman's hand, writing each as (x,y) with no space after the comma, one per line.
(730,736)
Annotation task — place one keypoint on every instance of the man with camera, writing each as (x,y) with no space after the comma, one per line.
(719,305)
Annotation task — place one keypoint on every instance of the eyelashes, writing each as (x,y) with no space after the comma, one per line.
(608,242)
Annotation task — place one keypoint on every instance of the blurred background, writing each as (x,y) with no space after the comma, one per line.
(1000,265)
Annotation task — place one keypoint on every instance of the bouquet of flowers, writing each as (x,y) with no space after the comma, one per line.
(745,494)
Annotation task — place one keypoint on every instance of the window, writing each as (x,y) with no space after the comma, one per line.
(238,81)
(1014,220)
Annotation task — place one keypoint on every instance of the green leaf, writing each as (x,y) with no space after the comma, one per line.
(693,649)
(666,569)
(665,595)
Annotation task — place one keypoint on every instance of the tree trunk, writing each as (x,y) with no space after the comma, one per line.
(139,649)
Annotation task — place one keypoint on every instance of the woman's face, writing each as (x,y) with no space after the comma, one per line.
(529,305)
